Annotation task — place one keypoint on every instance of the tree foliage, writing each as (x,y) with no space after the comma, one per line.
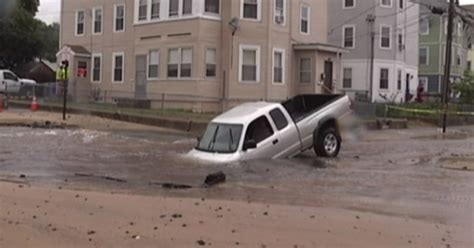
(465,88)
(22,37)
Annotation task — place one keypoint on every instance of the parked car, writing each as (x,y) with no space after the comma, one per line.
(263,130)
(12,84)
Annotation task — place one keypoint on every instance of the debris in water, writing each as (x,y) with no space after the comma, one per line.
(215,178)
(201,242)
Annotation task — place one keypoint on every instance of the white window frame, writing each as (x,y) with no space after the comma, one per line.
(114,55)
(390,37)
(96,55)
(344,6)
(211,13)
(115,17)
(283,65)
(101,21)
(256,48)
(380,78)
(425,19)
(259,11)
(352,77)
(427,55)
(180,52)
(344,36)
(205,61)
(284,13)
(386,6)
(148,64)
(303,5)
(77,23)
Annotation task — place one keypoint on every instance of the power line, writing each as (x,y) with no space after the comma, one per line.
(353,18)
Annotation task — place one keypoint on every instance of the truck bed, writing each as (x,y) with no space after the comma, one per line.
(303,105)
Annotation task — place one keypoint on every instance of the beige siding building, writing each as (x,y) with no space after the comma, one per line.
(204,55)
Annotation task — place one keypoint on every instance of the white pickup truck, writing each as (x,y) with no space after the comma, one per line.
(263,130)
(11,83)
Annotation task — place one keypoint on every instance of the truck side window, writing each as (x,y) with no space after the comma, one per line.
(9,76)
(259,130)
(279,119)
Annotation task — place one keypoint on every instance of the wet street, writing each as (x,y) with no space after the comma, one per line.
(414,174)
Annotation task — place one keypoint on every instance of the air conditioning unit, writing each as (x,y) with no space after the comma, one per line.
(279,20)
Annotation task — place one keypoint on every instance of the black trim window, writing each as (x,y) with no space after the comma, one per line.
(349,3)
(347,78)
(212,6)
(96,70)
(80,22)
(210,62)
(259,130)
(119,18)
(384,78)
(279,119)
(250,9)
(349,37)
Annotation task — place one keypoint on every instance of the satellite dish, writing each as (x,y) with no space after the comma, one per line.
(234,24)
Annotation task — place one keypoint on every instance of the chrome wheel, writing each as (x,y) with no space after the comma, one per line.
(330,143)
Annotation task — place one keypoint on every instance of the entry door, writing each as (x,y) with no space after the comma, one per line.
(140,77)
(328,77)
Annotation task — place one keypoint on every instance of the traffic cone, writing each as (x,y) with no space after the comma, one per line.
(34,104)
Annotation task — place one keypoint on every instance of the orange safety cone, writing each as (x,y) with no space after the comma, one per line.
(34,104)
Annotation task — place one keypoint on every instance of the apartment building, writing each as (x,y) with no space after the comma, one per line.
(433,32)
(382,39)
(204,55)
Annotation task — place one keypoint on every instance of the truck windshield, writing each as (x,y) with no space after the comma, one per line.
(221,138)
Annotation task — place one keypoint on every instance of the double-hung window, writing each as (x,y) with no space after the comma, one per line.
(348,4)
(212,6)
(424,51)
(278,66)
(385,37)
(348,34)
(305,70)
(153,64)
(155,9)
(80,19)
(249,63)
(142,10)
(347,78)
(119,20)
(187,7)
(97,20)
(211,62)
(250,9)
(280,12)
(305,17)
(96,67)
(384,73)
(180,62)
(174,8)
(118,67)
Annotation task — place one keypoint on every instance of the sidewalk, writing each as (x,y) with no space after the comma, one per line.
(174,119)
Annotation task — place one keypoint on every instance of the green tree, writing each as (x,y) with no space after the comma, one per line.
(49,36)
(20,39)
(465,88)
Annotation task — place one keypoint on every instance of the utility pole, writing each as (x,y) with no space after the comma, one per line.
(447,66)
(65,83)
(371,20)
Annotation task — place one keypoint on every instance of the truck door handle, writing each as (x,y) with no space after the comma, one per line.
(275,141)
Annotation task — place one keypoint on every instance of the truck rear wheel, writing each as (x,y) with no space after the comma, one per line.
(327,143)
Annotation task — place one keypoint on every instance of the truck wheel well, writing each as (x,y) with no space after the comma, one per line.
(331,123)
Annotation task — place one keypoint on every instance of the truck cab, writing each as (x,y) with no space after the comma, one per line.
(11,83)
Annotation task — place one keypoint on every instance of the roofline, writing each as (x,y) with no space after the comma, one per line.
(320,47)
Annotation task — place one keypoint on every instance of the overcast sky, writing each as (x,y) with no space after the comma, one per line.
(49,10)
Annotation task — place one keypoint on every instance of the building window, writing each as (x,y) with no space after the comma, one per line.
(385,37)
(250,9)
(348,4)
(460,28)
(212,6)
(423,82)
(187,7)
(425,26)
(469,65)
(180,62)
(401,4)
(386,3)
(211,62)
(305,16)
(401,45)
(348,35)
(118,67)
(97,20)
(174,8)
(153,64)
(280,12)
(119,13)
(82,69)
(155,9)
(384,78)
(80,17)
(305,70)
(278,66)
(142,10)
(347,78)
(249,63)
(399,79)
(459,56)
(96,67)
(424,53)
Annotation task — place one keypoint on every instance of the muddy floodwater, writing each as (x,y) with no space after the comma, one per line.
(393,172)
